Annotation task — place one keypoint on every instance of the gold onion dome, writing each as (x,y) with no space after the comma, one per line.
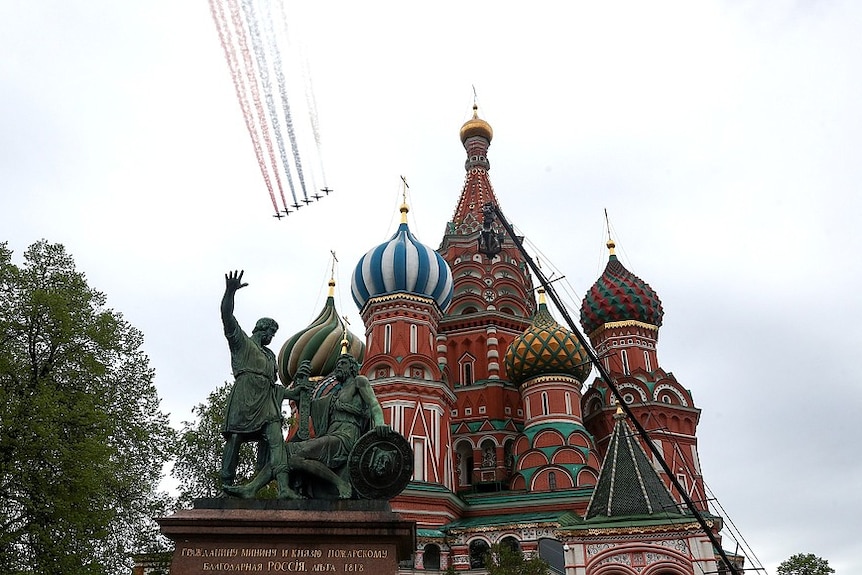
(546,348)
(320,342)
(476,126)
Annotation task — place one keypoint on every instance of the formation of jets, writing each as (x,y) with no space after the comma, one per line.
(286,212)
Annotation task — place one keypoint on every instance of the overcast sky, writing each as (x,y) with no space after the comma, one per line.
(722,137)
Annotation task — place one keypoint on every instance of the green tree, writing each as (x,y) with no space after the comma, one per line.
(199,451)
(503,559)
(805,564)
(82,437)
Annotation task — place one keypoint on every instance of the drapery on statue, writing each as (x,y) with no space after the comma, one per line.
(254,405)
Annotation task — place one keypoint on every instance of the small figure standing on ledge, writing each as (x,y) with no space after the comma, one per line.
(254,404)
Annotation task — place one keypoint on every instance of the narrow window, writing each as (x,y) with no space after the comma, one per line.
(624,357)
(414,338)
(545,409)
(568,403)
(387,338)
(419,459)
(552,481)
(647,361)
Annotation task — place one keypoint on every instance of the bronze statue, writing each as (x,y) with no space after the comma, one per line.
(339,420)
(254,405)
(353,451)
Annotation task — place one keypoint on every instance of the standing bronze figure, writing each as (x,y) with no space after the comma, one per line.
(254,404)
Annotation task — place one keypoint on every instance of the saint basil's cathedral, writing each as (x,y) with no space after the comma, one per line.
(512,444)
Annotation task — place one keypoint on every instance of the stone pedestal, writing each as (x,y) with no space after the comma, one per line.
(229,536)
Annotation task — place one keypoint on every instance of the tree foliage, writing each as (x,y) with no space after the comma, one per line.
(504,559)
(805,564)
(199,451)
(82,436)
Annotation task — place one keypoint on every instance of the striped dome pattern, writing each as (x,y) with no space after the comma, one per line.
(319,343)
(545,348)
(402,265)
(619,295)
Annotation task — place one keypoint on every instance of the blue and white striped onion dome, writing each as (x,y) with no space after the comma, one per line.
(402,265)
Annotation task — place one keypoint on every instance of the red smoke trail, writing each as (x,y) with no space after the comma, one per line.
(224,35)
(249,69)
(252,18)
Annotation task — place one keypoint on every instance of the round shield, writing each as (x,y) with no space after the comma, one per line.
(380,467)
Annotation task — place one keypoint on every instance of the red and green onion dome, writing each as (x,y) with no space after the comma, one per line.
(546,348)
(320,343)
(402,265)
(619,295)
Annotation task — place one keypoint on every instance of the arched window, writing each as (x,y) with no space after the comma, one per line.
(489,453)
(478,553)
(545,409)
(464,463)
(511,543)
(647,361)
(552,481)
(414,338)
(431,557)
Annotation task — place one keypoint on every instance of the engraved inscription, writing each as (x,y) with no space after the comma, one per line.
(278,559)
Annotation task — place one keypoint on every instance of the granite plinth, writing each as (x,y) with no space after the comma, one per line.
(228,536)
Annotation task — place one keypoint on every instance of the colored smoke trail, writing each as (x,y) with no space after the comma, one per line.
(217,10)
(255,93)
(282,87)
(263,70)
(256,47)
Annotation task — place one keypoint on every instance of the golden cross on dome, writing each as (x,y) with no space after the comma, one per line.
(611,245)
(345,342)
(404,208)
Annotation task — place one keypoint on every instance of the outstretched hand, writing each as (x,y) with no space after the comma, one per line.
(233,281)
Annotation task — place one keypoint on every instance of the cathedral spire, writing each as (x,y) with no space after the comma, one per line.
(476,135)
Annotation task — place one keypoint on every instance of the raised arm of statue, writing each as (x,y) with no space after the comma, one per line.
(232,283)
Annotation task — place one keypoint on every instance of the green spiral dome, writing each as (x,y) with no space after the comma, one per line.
(320,343)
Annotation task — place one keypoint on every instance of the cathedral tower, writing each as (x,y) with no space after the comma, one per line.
(622,315)
(491,305)
(402,287)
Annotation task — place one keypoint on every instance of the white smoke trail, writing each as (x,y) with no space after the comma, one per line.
(312,114)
